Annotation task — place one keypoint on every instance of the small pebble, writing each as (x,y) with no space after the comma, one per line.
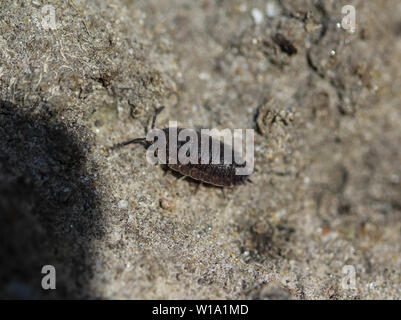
(99,123)
(271,10)
(167,204)
(257,16)
(123,204)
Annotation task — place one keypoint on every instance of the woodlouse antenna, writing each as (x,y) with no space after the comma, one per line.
(155,116)
(140,140)
(137,140)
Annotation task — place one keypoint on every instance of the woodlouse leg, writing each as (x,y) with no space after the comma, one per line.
(197,188)
(155,116)
(223,190)
(174,183)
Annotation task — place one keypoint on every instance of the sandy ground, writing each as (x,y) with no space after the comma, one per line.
(326,194)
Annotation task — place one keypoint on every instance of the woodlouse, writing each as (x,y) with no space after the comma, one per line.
(220,174)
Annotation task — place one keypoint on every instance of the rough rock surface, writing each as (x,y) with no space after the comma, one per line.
(326,190)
